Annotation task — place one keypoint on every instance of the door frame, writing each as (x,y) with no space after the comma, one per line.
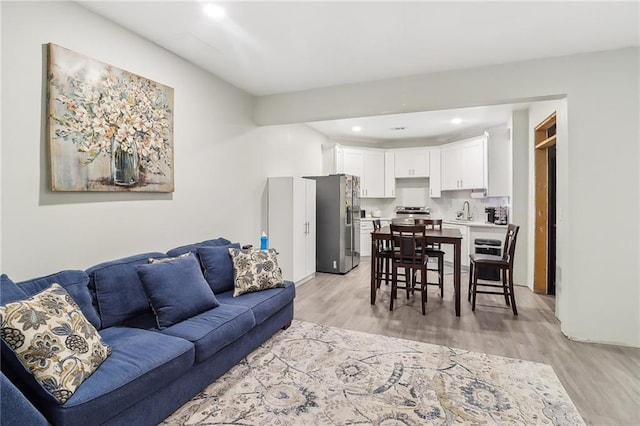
(543,139)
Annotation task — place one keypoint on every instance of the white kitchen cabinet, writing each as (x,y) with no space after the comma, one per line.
(353,162)
(389,174)
(412,162)
(435,179)
(332,160)
(499,152)
(464,164)
(366,228)
(292,225)
(464,249)
(369,164)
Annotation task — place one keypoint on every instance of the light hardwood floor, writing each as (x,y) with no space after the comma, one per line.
(603,381)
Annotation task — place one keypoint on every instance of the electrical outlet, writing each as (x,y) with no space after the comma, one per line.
(335,265)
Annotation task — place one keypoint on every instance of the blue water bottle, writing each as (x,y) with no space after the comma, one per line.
(264,241)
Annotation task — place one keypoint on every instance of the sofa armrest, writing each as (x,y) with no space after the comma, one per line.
(15,408)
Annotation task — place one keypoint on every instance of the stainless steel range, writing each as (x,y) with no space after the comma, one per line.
(405,215)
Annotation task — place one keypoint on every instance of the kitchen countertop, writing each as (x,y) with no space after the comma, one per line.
(473,223)
(372,218)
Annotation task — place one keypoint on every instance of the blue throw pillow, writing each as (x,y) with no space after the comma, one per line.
(118,290)
(9,291)
(218,267)
(176,289)
(174,252)
(74,282)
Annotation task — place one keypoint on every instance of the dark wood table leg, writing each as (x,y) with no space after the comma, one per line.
(457,272)
(374,258)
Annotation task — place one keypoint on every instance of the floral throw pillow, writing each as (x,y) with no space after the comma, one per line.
(255,270)
(53,340)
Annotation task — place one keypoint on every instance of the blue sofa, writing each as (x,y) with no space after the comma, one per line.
(151,372)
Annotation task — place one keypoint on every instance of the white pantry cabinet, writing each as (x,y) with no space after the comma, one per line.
(412,162)
(464,164)
(292,225)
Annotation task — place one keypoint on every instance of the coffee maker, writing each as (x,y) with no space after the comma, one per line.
(491,214)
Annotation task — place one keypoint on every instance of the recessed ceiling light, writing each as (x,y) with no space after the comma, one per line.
(356,128)
(456,120)
(214,11)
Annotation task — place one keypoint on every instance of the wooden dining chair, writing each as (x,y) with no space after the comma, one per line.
(383,258)
(434,251)
(503,263)
(406,241)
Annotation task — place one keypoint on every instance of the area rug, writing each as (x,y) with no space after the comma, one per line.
(315,375)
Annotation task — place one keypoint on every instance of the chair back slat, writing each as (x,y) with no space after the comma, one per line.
(509,250)
(435,224)
(406,241)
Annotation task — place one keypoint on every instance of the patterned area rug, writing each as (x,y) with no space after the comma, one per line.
(315,375)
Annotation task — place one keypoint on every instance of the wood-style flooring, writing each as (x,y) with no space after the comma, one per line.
(603,381)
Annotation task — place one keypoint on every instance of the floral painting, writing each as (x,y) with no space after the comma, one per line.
(109,129)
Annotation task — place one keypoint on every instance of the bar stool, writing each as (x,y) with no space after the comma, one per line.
(383,258)
(503,263)
(434,251)
(406,241)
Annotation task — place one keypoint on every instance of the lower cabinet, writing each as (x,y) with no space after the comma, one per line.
(464,250)
(366,228)
(292,225)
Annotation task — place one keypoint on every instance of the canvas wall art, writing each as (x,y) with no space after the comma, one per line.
(109,129)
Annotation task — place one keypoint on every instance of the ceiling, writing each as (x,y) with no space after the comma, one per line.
(437,125)
(266,47)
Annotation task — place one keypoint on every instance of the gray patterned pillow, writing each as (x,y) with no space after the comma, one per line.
(54,341)
(255,270)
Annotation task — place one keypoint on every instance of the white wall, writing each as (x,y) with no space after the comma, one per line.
(601,178)
(221,159)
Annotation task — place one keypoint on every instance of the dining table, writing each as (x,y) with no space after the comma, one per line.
(443,236)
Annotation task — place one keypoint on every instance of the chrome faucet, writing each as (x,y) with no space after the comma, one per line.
(468,215)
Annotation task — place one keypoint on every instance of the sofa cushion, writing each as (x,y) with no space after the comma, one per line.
(194,247)
(255,270)
(218,267)
(74,282)
(51,338)
(212,330)
(263,303)
(118,290)
(176,289)
(141,363)
(9,291)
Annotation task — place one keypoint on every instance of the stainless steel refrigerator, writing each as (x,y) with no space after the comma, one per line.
(337,223)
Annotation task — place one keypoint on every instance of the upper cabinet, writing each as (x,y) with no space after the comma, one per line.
(389,174)
(412,163)
(499,158)
(369,164)
(435,178)
(464,164)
